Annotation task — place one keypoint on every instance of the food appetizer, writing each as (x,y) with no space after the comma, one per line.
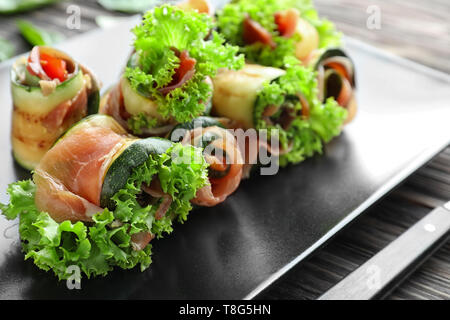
(168,78)
(269,31)
(284,102)
(50,92)
(222,153)
(99,196)
(272,33)
(105,185)
(336,79)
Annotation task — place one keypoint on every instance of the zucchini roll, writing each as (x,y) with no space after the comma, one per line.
(221,152)
(50,92)
(168,77)
(99,196)
(283,102)
(268,31)
(336,79)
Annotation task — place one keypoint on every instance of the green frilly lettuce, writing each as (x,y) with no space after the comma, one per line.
(97,247)
(162,30)
(306,135)
(231,17)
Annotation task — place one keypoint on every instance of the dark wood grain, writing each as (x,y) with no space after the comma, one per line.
(376,276)
(418,30)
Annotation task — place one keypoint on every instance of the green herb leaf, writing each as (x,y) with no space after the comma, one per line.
(129,6)
(6,49)
(37,36)
(15,6)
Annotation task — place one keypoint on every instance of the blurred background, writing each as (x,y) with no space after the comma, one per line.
(414,29)
(417,30)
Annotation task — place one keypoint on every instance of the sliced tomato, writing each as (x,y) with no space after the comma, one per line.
(254,32)
(339,69)
(55,68)
(287,22)
(182,74)
(46,66)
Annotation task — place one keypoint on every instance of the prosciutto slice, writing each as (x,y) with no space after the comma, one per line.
(67,112)
(156,191)
(336,79)
(69,178)
(224,156)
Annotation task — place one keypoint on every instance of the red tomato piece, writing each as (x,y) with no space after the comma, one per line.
(287,22)
(254,32)
(46,66)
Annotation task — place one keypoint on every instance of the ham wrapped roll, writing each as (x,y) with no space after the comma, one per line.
(336,79)
(168,77)
(50,92)
(99,196)
(283,102)
(220,150)
(268,31)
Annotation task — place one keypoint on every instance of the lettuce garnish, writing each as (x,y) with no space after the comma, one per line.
(163,32)
(97,247)
(306,135)
(230,20)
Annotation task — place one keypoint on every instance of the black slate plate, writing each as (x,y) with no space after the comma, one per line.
(234,250)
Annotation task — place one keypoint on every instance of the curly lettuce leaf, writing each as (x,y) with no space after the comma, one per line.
(180,180)
(163,30)
(99,246)
(140,121)
(327,119)
(305,136)
(231,17)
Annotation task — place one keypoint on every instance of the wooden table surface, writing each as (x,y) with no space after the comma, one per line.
(418,30)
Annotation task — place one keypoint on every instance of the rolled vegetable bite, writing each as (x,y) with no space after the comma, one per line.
(268,31)
(284,102)
(50,92)
(99,196)
(168,78)
(221,152)
(336,79)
